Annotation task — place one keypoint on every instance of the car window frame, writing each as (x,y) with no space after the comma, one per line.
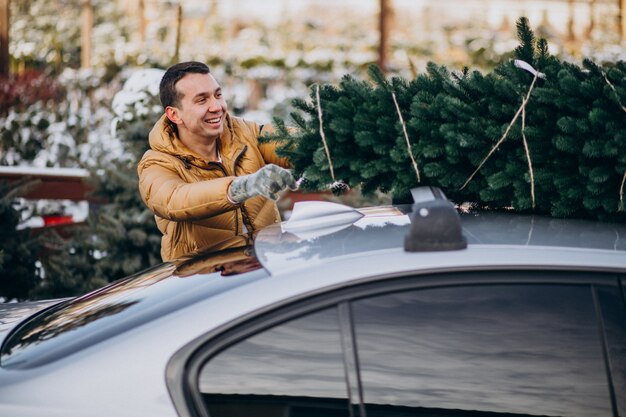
(184,366)
(612,342)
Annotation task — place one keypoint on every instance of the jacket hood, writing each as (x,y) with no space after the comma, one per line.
(163,138)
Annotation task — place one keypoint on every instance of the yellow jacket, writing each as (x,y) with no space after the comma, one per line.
(187,193)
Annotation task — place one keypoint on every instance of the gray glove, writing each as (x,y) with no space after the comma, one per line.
(267,181)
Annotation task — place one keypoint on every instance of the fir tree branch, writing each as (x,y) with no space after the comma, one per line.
(319,115)
(506,132)
(406,136)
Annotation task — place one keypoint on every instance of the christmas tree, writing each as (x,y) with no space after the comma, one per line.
(120,237)
(18,249)
(537,134)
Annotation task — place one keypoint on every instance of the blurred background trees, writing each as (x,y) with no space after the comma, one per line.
(78,78)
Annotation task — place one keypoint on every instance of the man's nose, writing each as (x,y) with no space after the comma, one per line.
(214,105)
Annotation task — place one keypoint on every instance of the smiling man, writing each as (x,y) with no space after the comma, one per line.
(206,178)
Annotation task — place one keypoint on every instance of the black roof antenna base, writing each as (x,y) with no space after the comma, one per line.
(435,223)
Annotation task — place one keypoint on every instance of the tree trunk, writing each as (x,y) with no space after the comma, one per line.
(384,18)
(213,9)
(570,21)
(622,18)
(85,35)
(4,37)
(179,23)
(592,20)
(142,20)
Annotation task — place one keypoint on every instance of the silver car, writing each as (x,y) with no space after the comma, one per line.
(380,311)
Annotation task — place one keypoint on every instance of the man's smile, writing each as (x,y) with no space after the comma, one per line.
(213,120)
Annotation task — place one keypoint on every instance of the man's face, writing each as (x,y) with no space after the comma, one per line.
(202,108)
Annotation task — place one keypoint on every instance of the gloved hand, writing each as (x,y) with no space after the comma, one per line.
(267,181)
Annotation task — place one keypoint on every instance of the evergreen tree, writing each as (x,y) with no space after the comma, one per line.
(18,250)
(126,232)
(121,237)
(126,227)
(68,264)
(561,152)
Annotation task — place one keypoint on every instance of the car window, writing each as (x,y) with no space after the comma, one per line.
(495,350)
(294,369)
(614,323)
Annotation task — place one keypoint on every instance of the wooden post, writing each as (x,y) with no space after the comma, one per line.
(213,9)
(142,20)
(571,36)
(4,37)
(622,19)
(383,26)
(85,34)
(179,23)
(592,20)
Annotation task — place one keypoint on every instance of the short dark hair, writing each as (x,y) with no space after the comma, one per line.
(167,89)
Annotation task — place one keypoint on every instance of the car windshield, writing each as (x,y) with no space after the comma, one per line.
(81,322)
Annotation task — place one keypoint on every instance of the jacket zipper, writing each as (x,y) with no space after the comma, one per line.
(246,218)
(223,169)
(237,158)
(244,213)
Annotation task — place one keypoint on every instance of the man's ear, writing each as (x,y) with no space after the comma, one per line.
(173,115)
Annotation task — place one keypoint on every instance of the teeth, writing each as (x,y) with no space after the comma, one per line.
(214,120)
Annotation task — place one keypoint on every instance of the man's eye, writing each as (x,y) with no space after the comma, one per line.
(201,100)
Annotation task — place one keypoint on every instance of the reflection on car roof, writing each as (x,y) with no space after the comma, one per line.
(385,227)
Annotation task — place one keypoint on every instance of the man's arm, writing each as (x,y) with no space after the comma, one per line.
(172,198)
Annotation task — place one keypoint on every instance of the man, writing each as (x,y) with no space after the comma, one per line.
(207,179)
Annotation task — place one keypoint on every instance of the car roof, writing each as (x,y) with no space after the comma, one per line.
(282,248)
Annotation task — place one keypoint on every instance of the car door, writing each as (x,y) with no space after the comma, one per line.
(523,349)
(467,344)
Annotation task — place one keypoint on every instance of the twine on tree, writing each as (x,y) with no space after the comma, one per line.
(621,193)
(506,132)
(530,162)
(406,136)
(619,102)
(614,92)
(319,115)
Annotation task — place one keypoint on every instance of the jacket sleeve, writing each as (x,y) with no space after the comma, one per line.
(268,150)
(169,196)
